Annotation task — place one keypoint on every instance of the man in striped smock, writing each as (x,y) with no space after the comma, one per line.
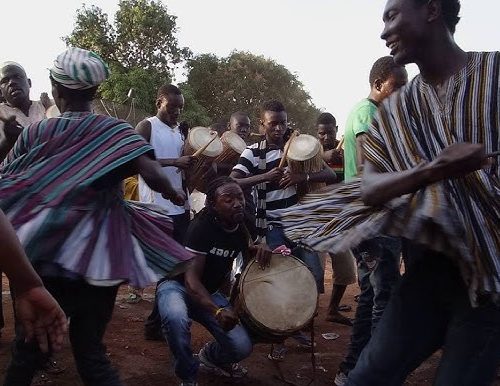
(429,142)
(61,189)
(276,188)
(431,176)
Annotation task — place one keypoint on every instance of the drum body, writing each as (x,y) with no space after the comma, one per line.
(197,138)
(305,155)
(278,301)
(233,146)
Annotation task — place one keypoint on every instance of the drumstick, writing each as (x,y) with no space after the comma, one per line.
(285,152)
(340,144)
(201,150)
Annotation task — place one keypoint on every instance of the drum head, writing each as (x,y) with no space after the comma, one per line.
(234,141)
(303,147)
(282,298)
(199,136)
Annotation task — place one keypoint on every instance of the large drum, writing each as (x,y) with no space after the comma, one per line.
(198,138)
(278,301)
(305,155)
(233,146)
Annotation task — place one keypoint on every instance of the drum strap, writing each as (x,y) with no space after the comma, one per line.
(260,218)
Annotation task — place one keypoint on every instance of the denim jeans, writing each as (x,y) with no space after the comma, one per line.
(378,271)
(89,309)
(181,224)
(177,310)
(275,237)
(428,310)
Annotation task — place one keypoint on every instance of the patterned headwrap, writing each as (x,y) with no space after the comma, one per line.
(79,69)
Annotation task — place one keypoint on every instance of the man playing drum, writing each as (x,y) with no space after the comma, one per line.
(276,188)
(162,132)
(195,295)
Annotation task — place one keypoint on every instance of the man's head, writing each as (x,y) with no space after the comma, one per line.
(327,130)
(75,76)
(410,26)
(226,200)
(386,77)
(14,84)
(169,102)
(239,123)
(273,120)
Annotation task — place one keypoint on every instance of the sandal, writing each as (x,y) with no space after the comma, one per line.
(278,352)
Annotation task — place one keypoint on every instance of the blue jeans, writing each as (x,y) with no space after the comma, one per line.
(177,310)
(428,310)
(275,237)
(378,271)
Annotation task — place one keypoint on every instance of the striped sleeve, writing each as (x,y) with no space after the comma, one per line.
(375,147)
(247,163)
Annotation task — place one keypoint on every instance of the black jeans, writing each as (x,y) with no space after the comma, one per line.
(90,309)
(378,271)
(152,325)
(430,309)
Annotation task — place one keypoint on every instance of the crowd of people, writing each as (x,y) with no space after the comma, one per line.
(89,203)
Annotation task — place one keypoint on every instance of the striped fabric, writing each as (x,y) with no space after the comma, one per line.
(459,217)
(52,192)
(79,69)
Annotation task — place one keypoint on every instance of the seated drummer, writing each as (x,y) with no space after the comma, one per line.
(216,235)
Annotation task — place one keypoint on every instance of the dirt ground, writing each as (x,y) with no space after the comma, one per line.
(142,362)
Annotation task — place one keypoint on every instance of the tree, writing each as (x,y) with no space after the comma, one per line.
(243,81)
(140,47)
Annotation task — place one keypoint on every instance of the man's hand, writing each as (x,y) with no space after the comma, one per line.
(457,160)
(262,254)
(292,179)
(42,318)
(178,197)
(333,156)
(11,128)
(227,319)
(185,162)
(274,174)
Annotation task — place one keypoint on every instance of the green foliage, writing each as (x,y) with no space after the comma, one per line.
(140,47)
(243,81)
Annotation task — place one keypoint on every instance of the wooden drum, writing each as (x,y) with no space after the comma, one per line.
(233,146)
(305,155)
(276,302)
(206,146)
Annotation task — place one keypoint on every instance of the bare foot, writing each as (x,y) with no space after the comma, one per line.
(338,318)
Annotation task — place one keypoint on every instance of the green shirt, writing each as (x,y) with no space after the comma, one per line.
(358,122)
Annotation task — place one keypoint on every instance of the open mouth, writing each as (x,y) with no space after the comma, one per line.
(393,46)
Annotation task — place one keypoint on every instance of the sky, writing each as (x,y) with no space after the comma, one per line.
(329,44)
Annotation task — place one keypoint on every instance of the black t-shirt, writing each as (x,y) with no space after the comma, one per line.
(205,236)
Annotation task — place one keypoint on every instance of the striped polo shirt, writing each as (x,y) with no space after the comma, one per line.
(276,198)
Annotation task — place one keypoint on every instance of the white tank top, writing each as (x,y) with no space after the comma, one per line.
(167,143)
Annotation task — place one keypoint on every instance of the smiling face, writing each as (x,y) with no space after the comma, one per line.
(406,29)
(14,85)
(229,204)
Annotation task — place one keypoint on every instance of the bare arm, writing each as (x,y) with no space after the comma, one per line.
(36,309)
(246,182)
(151,172)
(195,288)
(360,155)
